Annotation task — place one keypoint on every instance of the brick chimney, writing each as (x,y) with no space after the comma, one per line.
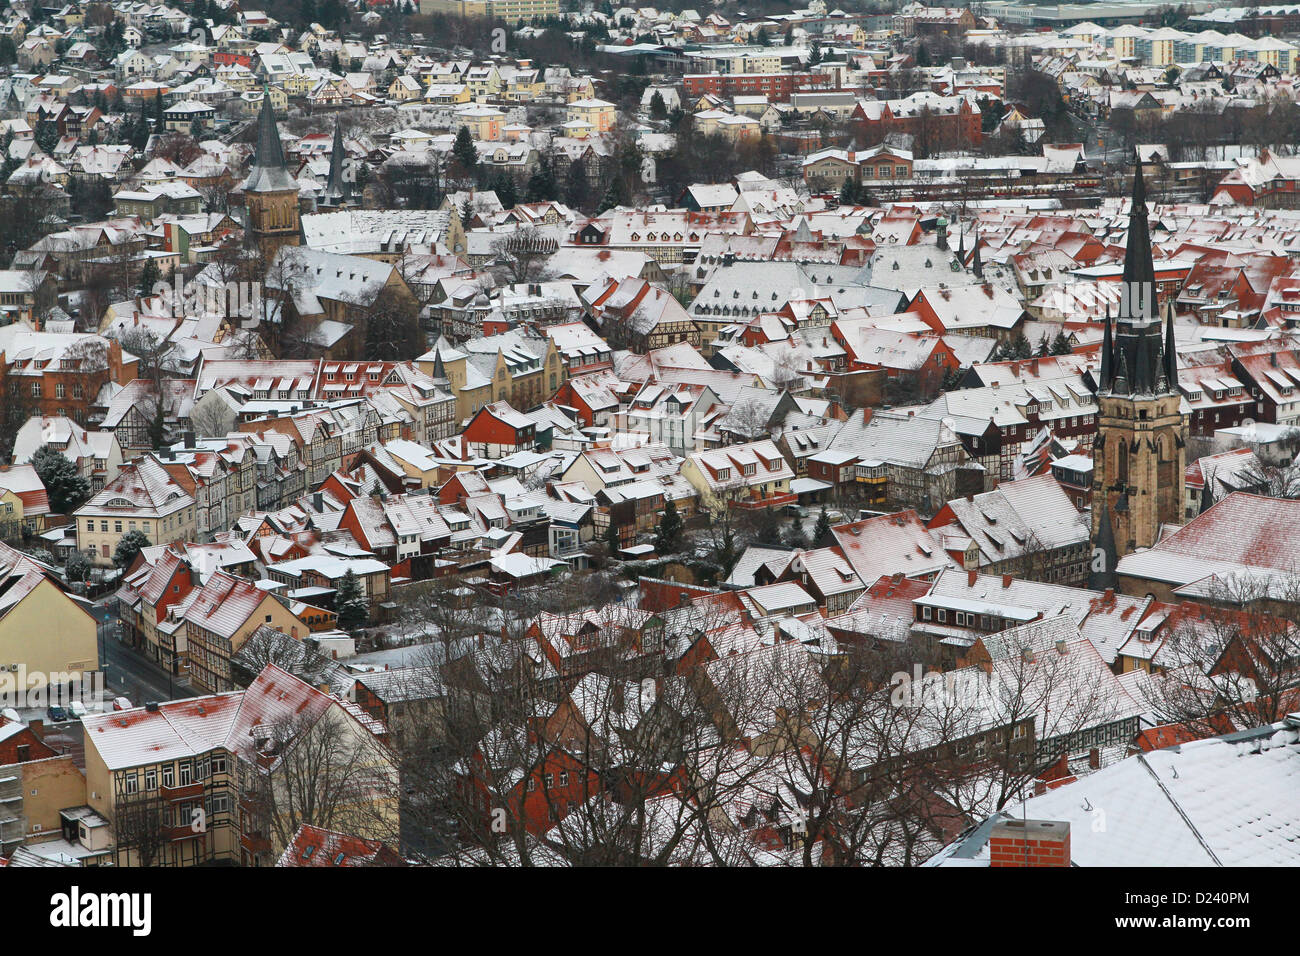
(1030,843)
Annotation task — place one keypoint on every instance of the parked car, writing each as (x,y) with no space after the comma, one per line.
(56,713)
(76,710)
(121,703)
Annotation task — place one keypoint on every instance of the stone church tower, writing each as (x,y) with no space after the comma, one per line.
(1139,453)
(270,192)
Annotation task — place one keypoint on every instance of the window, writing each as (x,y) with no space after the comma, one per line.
(532,784)
(130,783)
(36,389)
(151,779)
(564,778)
(548,781)
(168,776)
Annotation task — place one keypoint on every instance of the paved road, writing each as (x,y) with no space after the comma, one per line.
(129,673)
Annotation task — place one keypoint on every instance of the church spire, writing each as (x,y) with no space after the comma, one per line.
(337,190)
(1171,353)
(1107,370)
(1104,552)
(977,267)
(1139,279)
(268,173)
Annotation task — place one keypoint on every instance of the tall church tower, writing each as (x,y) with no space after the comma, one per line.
(270,193)
(1139,454)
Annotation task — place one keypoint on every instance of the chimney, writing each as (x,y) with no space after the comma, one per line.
(1030,843)
(1033,366)
(1094,758)
(318,501)
(1109,597)
(1006,580)
(971,577)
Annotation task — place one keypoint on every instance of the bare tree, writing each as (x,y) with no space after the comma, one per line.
(522,253)
(324,770)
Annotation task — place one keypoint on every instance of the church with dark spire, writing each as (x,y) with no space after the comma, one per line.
(1139,452)
(270,191)
(338,190)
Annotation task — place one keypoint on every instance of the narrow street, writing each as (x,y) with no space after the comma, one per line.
(130,674)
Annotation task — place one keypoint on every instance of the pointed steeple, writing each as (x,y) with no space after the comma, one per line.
(1170,356)
(977,267)
(1104,552)
(1107,369)
(1121,384)
(961,245)
(1207,493)
(1139,277)
(337,191)
(268,173)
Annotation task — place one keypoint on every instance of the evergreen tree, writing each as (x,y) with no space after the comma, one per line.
(464,151)
(1044,346)
(822,537)
(815,56)
(658,109)
(505,190)
(1020,347)
(149,276)
(128,546)
(726,554)
(1060,344)
(769,528)
(615,194)
(8,52)
(541,185)
(669,535)
(796,538)
(350,603)
(158,426)
(66,487)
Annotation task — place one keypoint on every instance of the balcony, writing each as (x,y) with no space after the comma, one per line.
(188,791)
(182,832)
(773,500)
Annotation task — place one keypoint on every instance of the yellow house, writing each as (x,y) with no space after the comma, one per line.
(415,460)
(447,94)
(214,779)
(483,81)
(143,497)
(754,475)
(298,84)
(47,636)
(524,85)
(600,114)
